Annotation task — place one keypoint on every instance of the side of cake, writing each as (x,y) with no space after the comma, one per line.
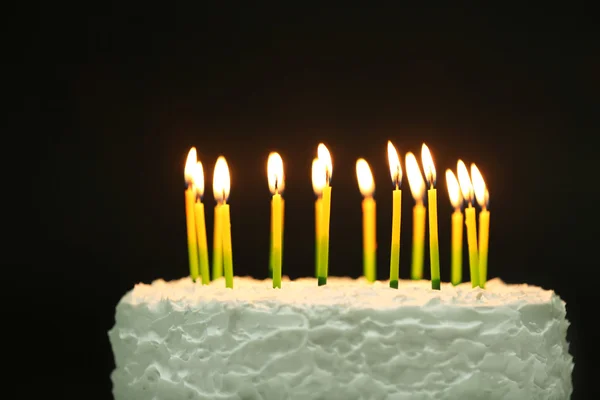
(346,340)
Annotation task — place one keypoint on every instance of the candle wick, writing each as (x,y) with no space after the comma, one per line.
(397,185)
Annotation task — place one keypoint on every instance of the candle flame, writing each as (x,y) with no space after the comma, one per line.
(479,187)
(325,157)
(190,163)
(198,179)
(465,181)
(395,167)
(318,176)
(415,179)
(453,189)
(275,173)
(366,184)
(221,180)
(428,165)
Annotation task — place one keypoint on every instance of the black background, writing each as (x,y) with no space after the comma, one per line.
(108,100)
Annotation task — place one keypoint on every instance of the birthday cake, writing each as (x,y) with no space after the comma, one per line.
(346,340)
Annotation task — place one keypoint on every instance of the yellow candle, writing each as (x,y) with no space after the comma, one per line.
(457,248)
(198,178)
(190,199)
(457,227)
(467,190)
(276,184)
(227,248)
(318,208)
(326,166)
(434,252)
(221,187)
(483,197)
(366,185)
(324,243)
(484,232)
(417,188)
(318,182)
(396,173)
(217,260)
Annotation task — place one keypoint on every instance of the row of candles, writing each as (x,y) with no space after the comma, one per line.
(462,187)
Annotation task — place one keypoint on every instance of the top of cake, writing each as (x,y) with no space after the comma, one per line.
(339,291)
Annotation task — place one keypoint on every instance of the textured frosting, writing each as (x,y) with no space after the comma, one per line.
(346,340)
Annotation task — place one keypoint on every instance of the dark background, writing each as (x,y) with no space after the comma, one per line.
(108,100)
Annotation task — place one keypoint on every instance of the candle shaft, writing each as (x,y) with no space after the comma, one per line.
(369,239)
(217,265)
(324,241)
(457,247)
(484,231)
(276,238)
(434,251)
(227,250)
(418,248)
(202,245)
(395,248)
(318,208)
(472,243)
(190,199)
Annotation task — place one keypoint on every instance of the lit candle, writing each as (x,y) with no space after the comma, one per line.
(366,185)
(457,227)
(276,185)
(198,179)
(221,186)
(325,157)
(396,173)
(434,251)
(318,183)
(417,188)
(190,199)
(217,260)
(467,191)
(483,198)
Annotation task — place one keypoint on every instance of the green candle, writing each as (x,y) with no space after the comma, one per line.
(467,191)
(434,253)
(396,174)
(417,188)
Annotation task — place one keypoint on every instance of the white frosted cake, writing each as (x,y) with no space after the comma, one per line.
(346,340)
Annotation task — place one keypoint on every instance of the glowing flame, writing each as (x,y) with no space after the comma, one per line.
(395,168)
(465,181)
(198,179)
(415,179)
(428,165)
(318,176)
(453,189)
(221,180)
(325,157)
(190,163)
(366,184)
(481,193)
(275,173)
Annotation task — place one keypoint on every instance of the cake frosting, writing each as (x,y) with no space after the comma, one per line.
(349,339)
